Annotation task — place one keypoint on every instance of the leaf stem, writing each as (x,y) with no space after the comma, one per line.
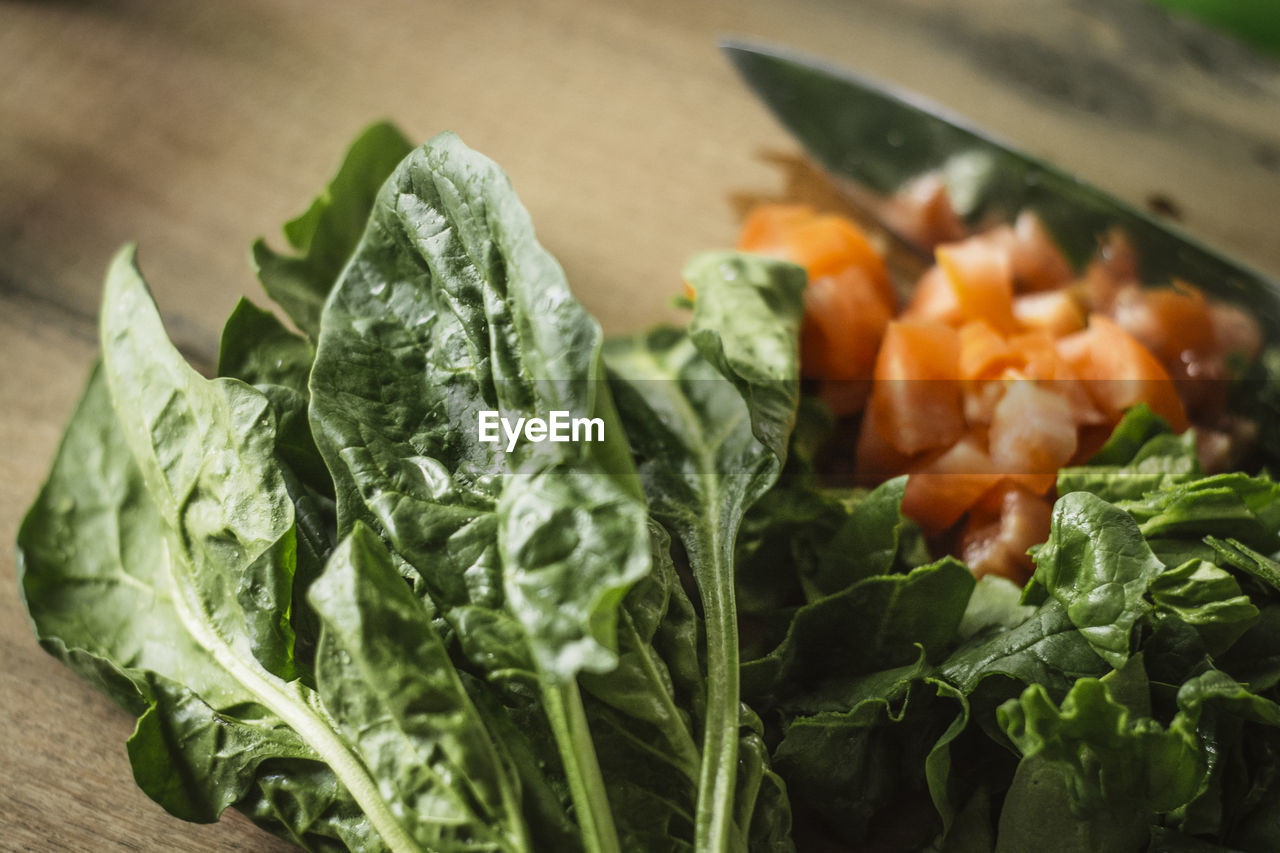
(568,720)
(288,702)
(713,822)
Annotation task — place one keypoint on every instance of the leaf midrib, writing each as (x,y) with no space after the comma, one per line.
(297,714)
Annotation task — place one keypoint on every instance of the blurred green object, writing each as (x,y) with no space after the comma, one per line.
(1254,21)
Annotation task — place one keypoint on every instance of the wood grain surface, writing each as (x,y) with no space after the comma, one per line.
(192,128)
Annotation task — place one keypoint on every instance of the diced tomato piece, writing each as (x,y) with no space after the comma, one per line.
(1037,354)
(1042,361)
(942,489)
(945,486)
(1038,263)
(996,538)
(984,351)
(824,244)
(934,299)
(981,398)
(844,396)
(916,397)
(1032,430)
(1054,311)
(922,212)
(1117,257)
(981,276)
(827,245)
(767,227)
(1166,320)
(876,460)
(1119,372)
(844,320)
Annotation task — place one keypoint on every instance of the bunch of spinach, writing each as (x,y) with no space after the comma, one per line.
(334,608)
(1125,701)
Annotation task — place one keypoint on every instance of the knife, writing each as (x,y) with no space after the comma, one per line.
(874,141)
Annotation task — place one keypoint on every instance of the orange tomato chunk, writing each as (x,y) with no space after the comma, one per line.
(844,319)
(1032,430)
(916,396)
(1119,372)
(980,274)
(1054,311)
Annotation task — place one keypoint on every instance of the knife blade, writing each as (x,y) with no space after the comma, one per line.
(875,140)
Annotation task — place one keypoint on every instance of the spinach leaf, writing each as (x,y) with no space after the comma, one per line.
(1225,505)
(387,681)
(1099,566)
(1046,649)
(866,764)
(447,308)
(144,574)
(206,451)
(709,416)
(1207,598)
(256,348)
(326,234)
(879,622)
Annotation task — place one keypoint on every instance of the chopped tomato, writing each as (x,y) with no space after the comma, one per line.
(946,485)
(1235,333)
(916,395)
(844,319)
(981,277)
(922,212)
(1166,320)
(876,460)
(934,299)
(821,243)
(1002,368)
(942,489)
(984,351)
(1032,430)
(1119,372)
(768,225)
(1054,311)
(845,396)
(849,299)
(1038,263)
(1004,524)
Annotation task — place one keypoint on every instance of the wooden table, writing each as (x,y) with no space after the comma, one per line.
(192,128)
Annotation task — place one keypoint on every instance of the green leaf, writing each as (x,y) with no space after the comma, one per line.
(112,594)
(1208,598)
(658,679)
(1098,565)
(1240,556)
(862,765)
(1225,505)
(449,307)
(1136,429)
(1045,649)
(326,234)
(880,622)
(195,761)
(1118,770)
(710,423)
(746,323)
(994,605)
(875,539)
(388,683)
(205,450)
(1163,462)
(256,348)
